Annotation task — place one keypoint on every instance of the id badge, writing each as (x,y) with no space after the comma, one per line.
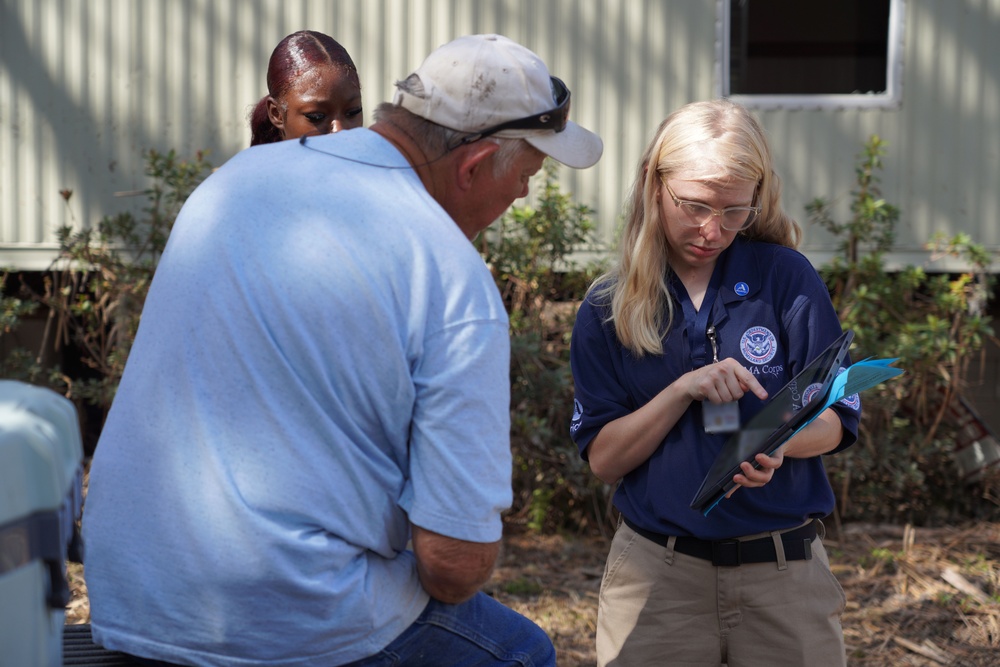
(721,417)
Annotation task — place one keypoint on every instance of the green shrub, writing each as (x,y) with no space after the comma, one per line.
(16,362)
(529,252)
(902,468)
(95,288)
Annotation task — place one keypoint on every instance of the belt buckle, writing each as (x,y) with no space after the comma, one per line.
(726,553)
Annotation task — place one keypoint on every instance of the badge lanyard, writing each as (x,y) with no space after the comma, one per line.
(699,321)
(703,340)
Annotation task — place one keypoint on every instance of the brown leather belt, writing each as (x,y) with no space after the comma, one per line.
(797,545)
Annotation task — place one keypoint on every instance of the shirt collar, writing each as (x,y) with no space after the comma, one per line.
(741,271)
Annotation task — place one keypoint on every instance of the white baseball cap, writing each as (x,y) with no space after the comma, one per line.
(491,85)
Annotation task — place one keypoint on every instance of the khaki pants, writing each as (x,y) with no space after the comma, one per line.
(658,607)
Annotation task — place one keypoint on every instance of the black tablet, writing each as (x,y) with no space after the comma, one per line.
(783,414)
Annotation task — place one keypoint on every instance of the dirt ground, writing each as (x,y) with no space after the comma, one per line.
(915,596)
(921,597)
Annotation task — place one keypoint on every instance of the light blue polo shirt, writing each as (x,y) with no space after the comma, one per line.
(323,358)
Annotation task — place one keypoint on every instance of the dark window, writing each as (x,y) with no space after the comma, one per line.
(804,47)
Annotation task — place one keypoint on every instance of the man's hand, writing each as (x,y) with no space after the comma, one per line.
(451,570)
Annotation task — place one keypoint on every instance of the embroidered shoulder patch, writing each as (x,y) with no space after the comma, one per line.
(577,416)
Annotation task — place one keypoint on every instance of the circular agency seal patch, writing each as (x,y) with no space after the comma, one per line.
(810,393)
(758,345)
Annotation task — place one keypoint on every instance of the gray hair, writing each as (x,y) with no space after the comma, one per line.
(436,140)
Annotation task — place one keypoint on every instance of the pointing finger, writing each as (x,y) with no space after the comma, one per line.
(749,383)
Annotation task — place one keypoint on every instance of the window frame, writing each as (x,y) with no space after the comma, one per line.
(890,99)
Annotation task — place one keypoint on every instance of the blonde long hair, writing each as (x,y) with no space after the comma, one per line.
(702,135)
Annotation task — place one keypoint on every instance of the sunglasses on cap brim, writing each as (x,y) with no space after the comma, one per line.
(554,119)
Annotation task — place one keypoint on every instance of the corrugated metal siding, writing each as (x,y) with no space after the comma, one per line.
(942,166)
(86,87)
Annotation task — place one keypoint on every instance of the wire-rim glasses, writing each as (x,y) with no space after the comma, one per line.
(731,218)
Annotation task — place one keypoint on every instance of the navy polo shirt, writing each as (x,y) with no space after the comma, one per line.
(772,313)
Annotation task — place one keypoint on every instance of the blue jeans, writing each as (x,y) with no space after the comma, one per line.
(478,632)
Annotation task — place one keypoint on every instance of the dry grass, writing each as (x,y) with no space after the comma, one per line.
(920,597)
(555,582)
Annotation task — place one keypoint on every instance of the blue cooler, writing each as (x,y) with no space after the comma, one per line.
(41,477)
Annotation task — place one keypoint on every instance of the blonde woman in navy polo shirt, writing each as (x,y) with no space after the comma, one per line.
(709,305)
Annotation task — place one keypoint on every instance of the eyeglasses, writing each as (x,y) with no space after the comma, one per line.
(553,119)
(731,218)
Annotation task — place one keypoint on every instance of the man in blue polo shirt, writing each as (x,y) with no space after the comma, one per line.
(320,377)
